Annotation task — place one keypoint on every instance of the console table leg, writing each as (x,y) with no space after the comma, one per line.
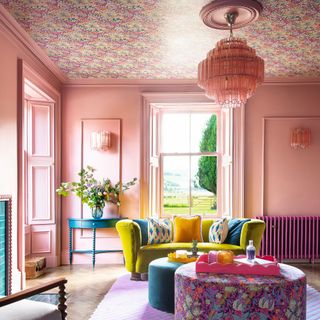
(94,248)
(70,246)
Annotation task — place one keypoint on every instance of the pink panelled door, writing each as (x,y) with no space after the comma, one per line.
(40,174)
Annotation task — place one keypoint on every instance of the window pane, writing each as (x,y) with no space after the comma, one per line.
(175,132)
(176,184)
(203,185)
(203,132)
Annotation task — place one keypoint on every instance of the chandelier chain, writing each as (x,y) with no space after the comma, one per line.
(231,19)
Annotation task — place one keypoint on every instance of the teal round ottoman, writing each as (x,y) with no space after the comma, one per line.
(161,284)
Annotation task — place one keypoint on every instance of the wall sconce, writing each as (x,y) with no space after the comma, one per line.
(100,140)
(300,138)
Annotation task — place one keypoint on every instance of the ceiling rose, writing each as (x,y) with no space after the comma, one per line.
(213,14)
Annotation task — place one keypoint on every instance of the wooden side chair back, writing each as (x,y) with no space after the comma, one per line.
(16,306)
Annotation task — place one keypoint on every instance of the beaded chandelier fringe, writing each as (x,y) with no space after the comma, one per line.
(231,72)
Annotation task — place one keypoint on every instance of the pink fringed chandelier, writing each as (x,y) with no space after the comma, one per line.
(232,71)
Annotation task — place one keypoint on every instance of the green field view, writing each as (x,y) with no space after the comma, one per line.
(180,205)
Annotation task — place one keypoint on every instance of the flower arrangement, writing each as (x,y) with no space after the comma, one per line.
(93,192)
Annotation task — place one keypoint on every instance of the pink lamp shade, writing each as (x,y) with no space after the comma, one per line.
(300,138)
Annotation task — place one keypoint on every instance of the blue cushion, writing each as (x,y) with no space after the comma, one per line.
(143,224)
(234,233)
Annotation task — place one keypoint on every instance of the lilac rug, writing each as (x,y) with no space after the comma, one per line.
(128,300)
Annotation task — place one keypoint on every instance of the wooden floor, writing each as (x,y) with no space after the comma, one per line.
(86,287)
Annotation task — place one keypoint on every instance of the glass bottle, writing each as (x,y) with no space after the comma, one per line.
(251,251)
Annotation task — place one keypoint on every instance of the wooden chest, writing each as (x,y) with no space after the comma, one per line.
(35,267)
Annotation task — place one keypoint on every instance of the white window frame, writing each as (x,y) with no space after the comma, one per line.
(207,108)
(230,182)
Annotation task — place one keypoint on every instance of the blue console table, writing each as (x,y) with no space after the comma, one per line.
(93,224)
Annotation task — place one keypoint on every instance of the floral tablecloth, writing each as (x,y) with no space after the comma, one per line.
(201,296)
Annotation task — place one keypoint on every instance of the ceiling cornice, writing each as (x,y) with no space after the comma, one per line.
(129,82)
(291,81)
(18,36)
(175,82)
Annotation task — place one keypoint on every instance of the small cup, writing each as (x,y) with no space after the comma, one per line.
(225,256)
(212,256)
(181,253)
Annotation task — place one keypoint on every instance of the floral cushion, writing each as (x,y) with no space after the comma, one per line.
(159,231)
(218,231)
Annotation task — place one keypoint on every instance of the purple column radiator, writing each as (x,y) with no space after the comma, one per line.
(291,238)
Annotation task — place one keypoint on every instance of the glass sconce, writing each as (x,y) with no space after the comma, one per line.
(300,138)
(100,140)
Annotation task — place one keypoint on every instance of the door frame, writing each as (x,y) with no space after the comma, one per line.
(25,72)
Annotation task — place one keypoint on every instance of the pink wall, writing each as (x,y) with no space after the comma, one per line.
(283,188)
(99,103)
(289,178)
(8,137)
(10,52)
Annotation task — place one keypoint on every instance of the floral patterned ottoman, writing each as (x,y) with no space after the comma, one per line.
(200,296)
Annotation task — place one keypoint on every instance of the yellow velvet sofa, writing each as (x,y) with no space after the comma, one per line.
(137,256)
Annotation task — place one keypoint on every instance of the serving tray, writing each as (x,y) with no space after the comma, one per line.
(268,266)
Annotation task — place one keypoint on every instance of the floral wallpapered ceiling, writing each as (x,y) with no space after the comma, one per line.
(163,39)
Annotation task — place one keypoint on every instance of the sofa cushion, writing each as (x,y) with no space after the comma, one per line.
(30,310)
(206,224)
(218,231)
(143,224)
(187,228)
(234,233)
(159,230)
(149,253)
(202,246)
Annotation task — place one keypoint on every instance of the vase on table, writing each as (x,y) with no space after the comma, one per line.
(97,212)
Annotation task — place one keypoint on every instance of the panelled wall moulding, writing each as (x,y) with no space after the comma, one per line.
(107,163)
(299,185)
(41,241)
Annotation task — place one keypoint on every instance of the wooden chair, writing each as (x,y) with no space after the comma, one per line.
(16,306)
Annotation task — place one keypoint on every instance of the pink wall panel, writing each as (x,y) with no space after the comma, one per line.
(41,189)
(101,104)
(288,178)
(41,241)
(106,163)
(40,130)
(291,177)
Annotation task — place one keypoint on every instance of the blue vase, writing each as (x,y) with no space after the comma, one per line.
(97,212)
